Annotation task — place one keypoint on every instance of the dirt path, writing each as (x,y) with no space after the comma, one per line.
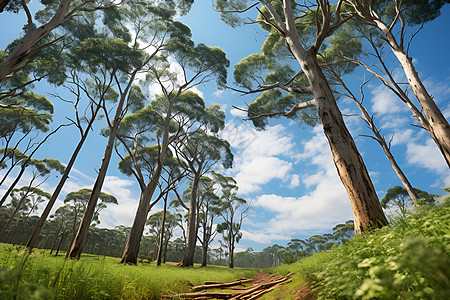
(242,288)
(255,288)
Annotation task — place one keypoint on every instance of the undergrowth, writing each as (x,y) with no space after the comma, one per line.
(41,276)
(408,260)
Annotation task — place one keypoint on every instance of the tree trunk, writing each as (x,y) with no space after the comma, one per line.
(161,237)
(63,235)
(37,230)
(80,239)
(131,250)
(437,123)
(130,253)
(22,51)
(204,250)
(350,166)
(231,253)
(165,251)
(13,185)
(191,238)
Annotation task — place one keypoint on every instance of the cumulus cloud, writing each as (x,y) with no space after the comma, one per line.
(259,156)
(295,181)
(384,101)
(124,212)
(324,205)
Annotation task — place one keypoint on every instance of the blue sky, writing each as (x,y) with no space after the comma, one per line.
(286,172)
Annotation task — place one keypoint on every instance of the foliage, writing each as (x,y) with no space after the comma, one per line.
(398,196)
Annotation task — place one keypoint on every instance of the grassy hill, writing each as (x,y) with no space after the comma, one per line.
(408,260)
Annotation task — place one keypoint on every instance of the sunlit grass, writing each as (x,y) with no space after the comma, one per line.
(409,260)
(42,276)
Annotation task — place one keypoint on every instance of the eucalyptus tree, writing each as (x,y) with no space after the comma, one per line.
(208,203)
(390,18)
(207,207)
(370,121)
(296,246)
(80,201)
(399,198)
(166,122)
(38,35)
(233,210)
(62,218)
(22,115)
(199,64)
(343,232)
(304,29)
(161,226)
(141,163)
(200,151)
(35,197)
(122,59)
(97,95)
(21,200)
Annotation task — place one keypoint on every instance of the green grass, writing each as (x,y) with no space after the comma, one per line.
(40,276)
(409,260)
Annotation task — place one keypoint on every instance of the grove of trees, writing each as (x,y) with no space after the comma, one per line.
(105,59)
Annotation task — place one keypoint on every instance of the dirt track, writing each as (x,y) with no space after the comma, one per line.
(261,284)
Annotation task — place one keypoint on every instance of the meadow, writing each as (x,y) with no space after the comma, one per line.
(408,260)
(41,276)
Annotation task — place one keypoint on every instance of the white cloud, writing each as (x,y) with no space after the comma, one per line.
(260,170)
(263,237)
(295,181)
(220,93)
(325,205)
(124,212)
(427,155)
(238,113)
(259,155)
(384,101)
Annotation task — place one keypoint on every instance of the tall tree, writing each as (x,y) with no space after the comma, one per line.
(230,228)
(199,152)
(141,163)
(97,95)
(208,206)
(161,225)
(303,29)
(157,32)
(200,64)
(391,18)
